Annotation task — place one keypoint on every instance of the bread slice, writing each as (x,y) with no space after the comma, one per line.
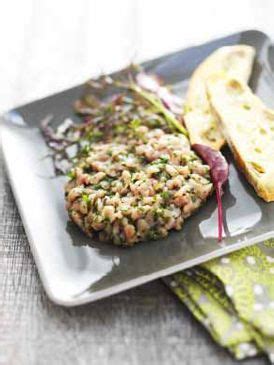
(201,121)
(248,126)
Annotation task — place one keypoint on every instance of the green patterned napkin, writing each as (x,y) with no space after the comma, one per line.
(233,297)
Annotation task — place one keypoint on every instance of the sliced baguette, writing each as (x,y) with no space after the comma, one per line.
(248,126)
(200,119)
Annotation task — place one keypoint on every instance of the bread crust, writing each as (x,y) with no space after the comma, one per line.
(260,189)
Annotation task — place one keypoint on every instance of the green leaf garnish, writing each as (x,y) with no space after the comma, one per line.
(135,123)
(86,198)
(71,174)
(165,195)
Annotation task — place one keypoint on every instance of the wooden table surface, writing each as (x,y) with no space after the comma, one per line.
(48,46)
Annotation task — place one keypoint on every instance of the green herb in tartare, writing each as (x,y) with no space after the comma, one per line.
(138,192)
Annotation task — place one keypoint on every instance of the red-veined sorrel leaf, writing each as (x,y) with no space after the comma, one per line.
(219,175)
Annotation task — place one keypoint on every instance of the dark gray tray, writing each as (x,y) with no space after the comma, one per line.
(74,273)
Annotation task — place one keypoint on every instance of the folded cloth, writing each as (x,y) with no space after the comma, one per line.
(233,297)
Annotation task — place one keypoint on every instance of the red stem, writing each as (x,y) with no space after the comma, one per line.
(220,213)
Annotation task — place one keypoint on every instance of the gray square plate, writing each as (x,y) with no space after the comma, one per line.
(73,272)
